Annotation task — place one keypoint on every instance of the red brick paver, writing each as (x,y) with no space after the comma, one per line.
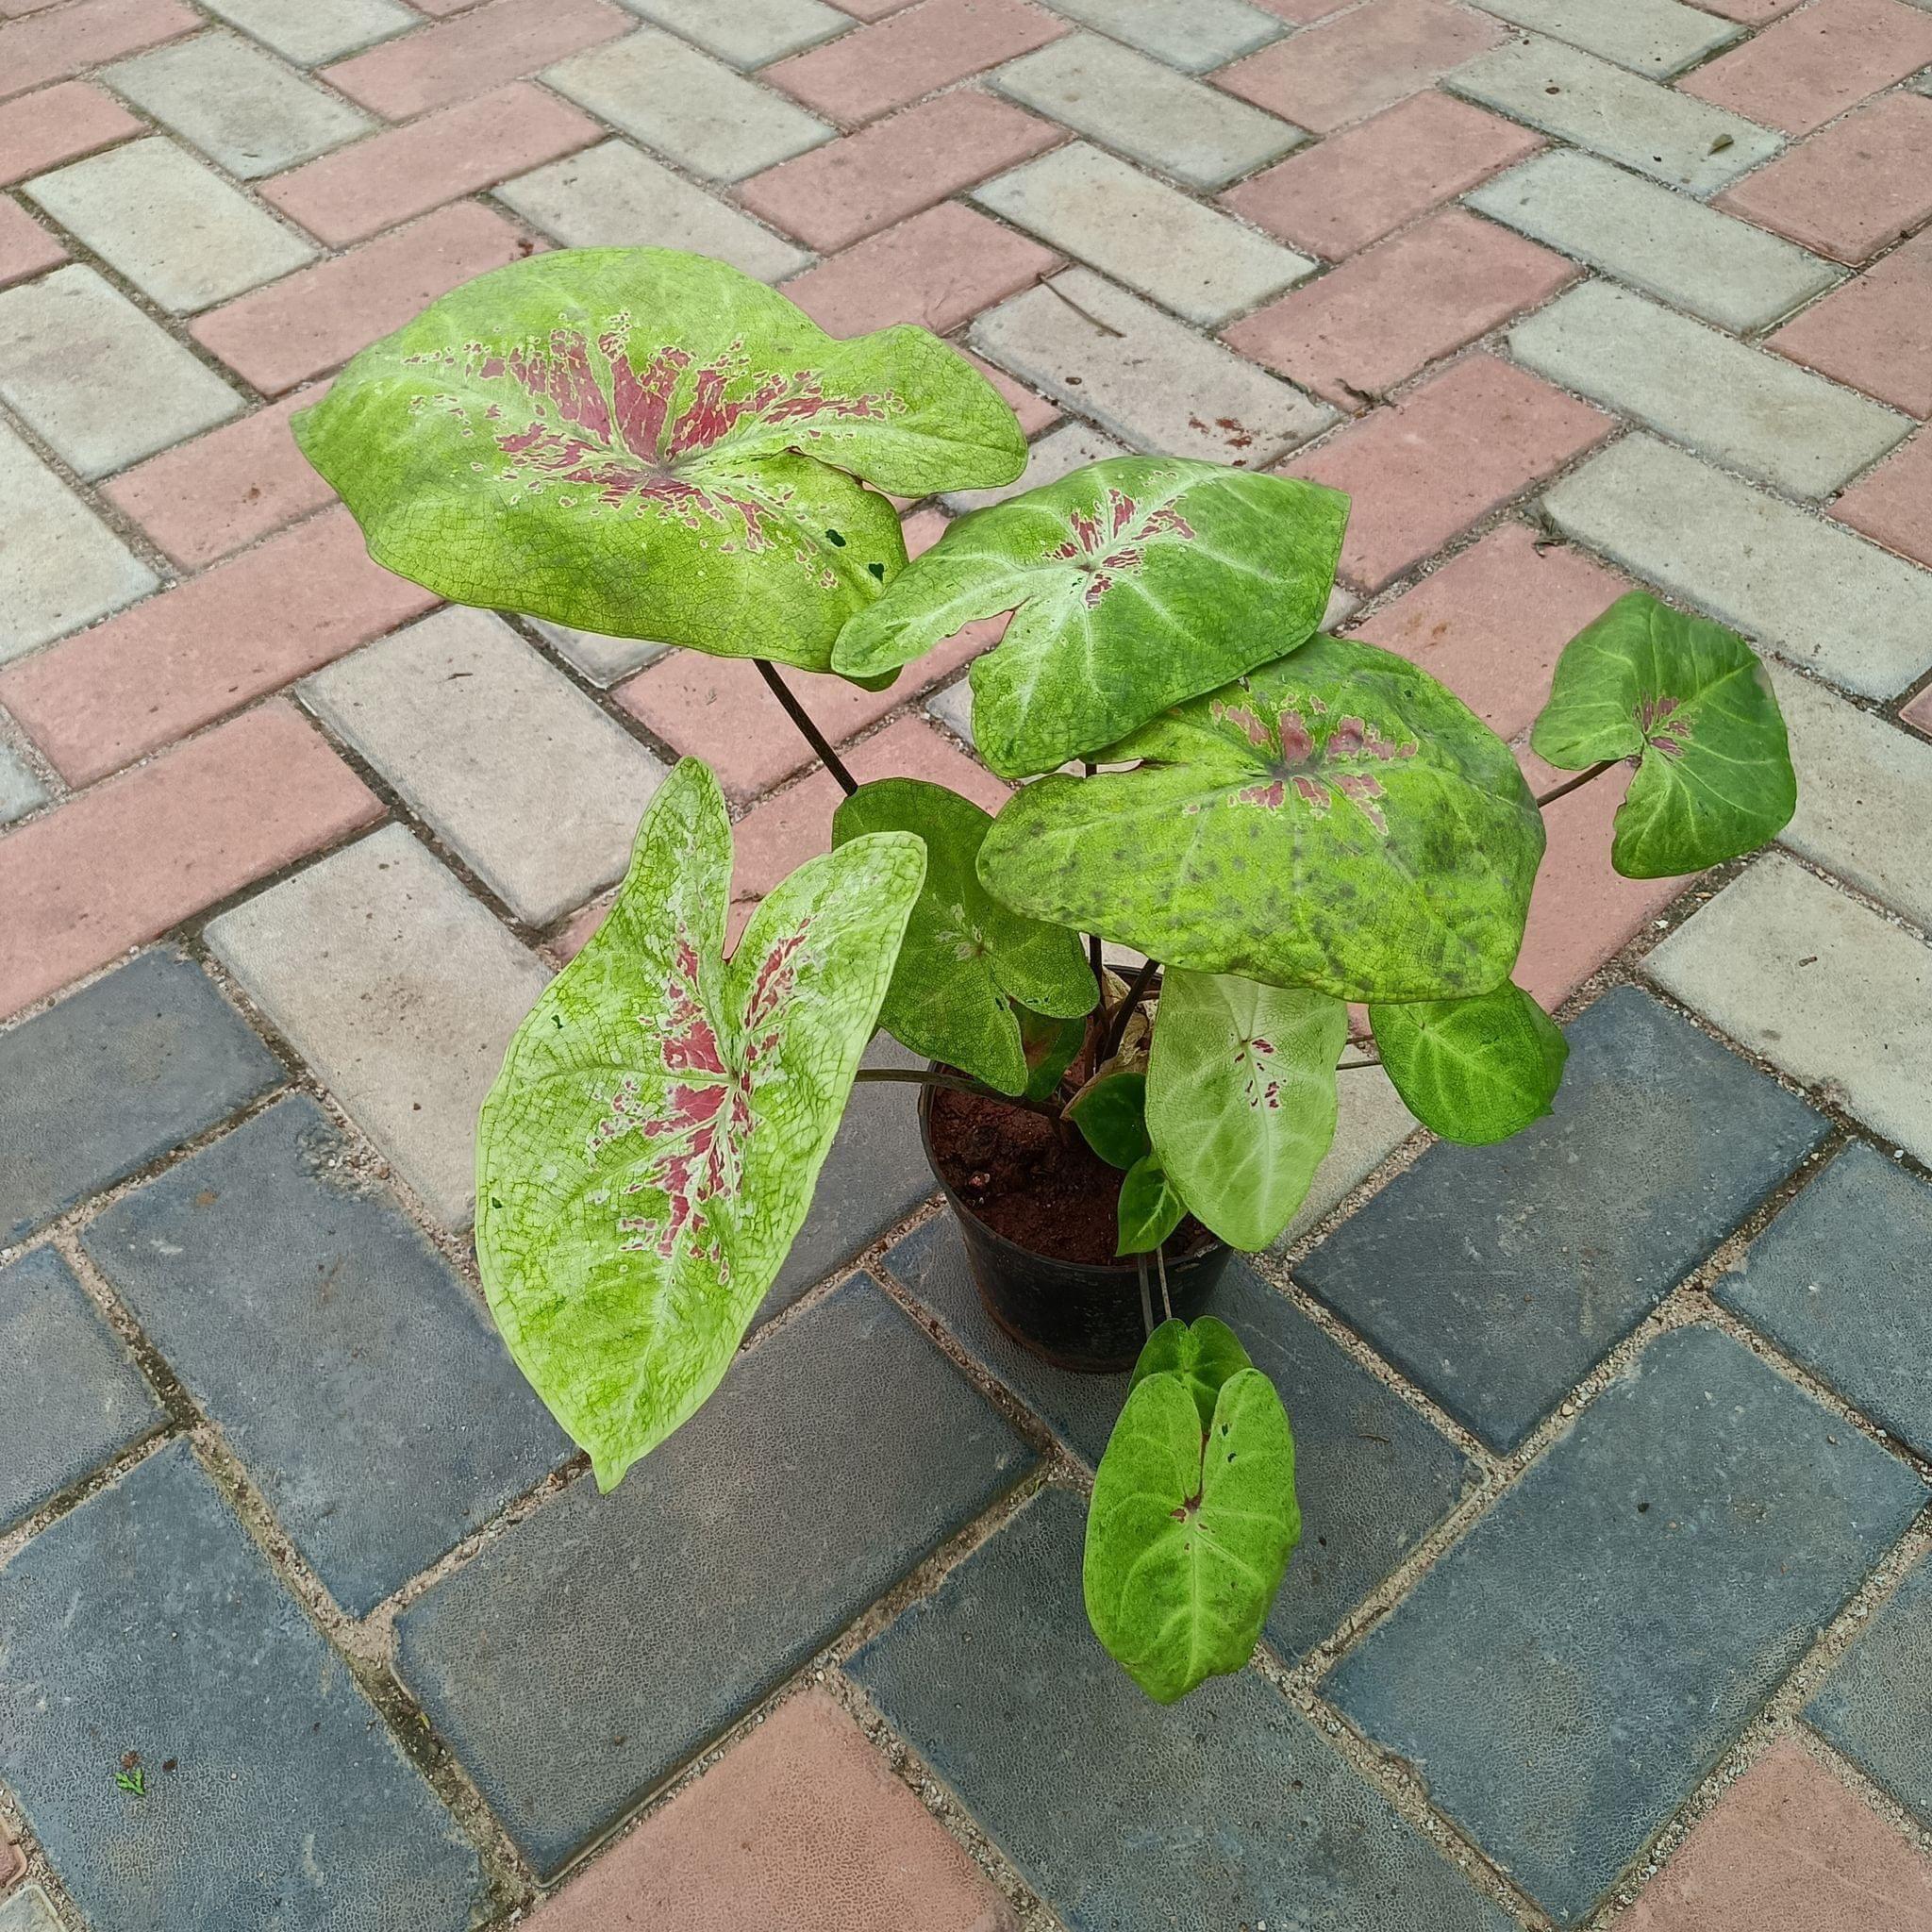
(1918,714)
(70,40)
(1874,333)
(59,123)
(1893,504)
(26,247)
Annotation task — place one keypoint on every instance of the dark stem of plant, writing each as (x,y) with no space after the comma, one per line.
(961,1083)
(1349,1066)
(1117,1025)
(1570,784)
(813,736)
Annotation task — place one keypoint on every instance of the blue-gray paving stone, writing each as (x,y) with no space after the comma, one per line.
(1223,1811)
(1841,1282)
(146,1621)
(71,1398)
(1498,1277)
(588,1651)
(1877,1707)
(1371,1474)
(109,1079)
(1567,1674)
(342,1356)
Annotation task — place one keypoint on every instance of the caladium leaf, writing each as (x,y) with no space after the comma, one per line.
(1337,819)
(651,444)
(1111,1113)
(1137,582)
(1690,703)
(1241,1097)
(966,957)
(1474,1071)
(1204,1353)
(649,1151)
(1190,1530)
(1149,1210)
(1051,1047)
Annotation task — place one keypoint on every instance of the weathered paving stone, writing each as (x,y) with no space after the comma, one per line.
(111,1078)
(236,105)
(1722,269)
(1205,34)
(21,791)
(588,1651)
(317,30)
(1654,37)
(147,1621)
(1202,264)
(749,32)
(1745,407)
(1810,589)
(612,196)
(1058,453)
(1615,113)
(603,660)
(104,385)
(1498,1276)
(399,990)
(344,1361)
(62,567)
(1371,1476)
(1821,986)
(1628,1606)
(1234,1809)
(1877,1707)
(171,226)
(530,782)
(71,1398)
(29,1910)
(690,109)
(1199,136)
(1143,376)
(1837,1281)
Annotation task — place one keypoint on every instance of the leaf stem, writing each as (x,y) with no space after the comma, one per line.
(1117,1024)
(1349,1066)
(961,1083)
(813,736)
(1570,784)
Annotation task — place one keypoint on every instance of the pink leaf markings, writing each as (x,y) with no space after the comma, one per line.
(1096,544)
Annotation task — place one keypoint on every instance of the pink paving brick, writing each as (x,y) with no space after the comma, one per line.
(1387,312)
(860,76)
(59,123)
(1035,413)
(26,247)
(1893,505)
(1811,66)
(1853,190)
(309,323)
(1874,333)
(1444,456)
(1342,194)
(1787,1846)
(848,189)
(125,862)
(69,40)
(359,191)
(799,1826)
(475,51)
(1918,714)
(207,498)
(97,701)
(941,268)
(1492,623)
(1349,67)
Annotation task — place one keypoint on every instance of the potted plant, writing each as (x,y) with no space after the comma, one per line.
(1277,822)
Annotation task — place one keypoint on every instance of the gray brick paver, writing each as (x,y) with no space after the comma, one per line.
(1877,1707)
(317,30)
(748,33)
(1657,38)
(1195,36)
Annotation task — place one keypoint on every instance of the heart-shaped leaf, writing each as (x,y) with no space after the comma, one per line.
(1189,1533)
(1137,582)
(1690,703)
(1337,819)
(1204,1353)
(966,957)
(1241,1097)
(652,445)
(1474,1071)
(1111,1113)
(1149,1210)
(649,1151)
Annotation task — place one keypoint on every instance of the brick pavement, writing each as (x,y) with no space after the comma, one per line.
(1613,1603)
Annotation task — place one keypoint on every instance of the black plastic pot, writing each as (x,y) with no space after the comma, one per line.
(1080,1315)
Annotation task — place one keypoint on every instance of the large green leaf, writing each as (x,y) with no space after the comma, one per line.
(1189,1533)
(1474,1070)
(966,957)
(652,445)
(1241,1097)
(1203,1354)
(1337,819)
(1137,582)
(650,1148)
(1690,703)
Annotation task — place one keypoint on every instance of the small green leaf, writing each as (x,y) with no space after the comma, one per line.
(1051,1047)
(1189,1535)
(1203,1355)
(1113,1114)
(1474,1071)
(1137,582)
(1241,1097)
(1691,702)
(1149,1210)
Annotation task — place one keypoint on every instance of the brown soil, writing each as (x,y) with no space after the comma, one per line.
(1036,1181)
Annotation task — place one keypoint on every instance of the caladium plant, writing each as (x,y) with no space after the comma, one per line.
(1280,822)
